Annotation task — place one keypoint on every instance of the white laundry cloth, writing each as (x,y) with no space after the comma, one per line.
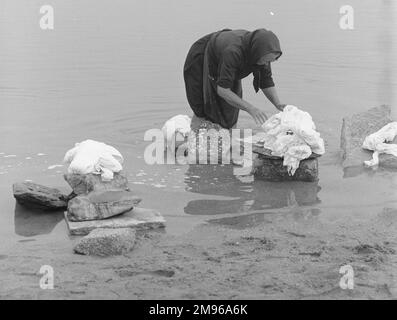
(95,157)
(291,134)
(176,130)
(378,142)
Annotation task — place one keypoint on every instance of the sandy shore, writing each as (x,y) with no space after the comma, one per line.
(289,255)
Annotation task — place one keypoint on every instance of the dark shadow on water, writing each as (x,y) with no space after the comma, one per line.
(351,172)
(251,196)
(30,223)
(354,171)
(244,221)
(241,222)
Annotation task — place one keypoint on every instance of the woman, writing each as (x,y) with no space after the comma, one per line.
(215,66)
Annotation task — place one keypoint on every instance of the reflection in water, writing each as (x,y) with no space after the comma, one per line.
(251,220)
(30,223)
(351,172)
(218,180)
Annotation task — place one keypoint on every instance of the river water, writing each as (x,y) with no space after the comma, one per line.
(110,70)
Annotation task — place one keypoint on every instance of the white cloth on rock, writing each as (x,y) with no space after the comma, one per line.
(378,142)
(291,134)
(176,130)
(94,157)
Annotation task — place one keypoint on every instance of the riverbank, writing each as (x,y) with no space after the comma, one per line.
(293,254)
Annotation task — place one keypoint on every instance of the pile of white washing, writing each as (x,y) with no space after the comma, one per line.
(94,157)
(176,130)
(378,142)
(291,135)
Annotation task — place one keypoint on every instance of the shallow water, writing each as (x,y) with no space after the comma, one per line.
(111,70)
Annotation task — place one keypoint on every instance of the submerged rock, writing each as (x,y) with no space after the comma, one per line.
(85,183)
(356,128)
(271,168)
(107,242)
(36,196)
(101,205)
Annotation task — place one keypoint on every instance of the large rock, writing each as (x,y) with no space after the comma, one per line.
(85,183)
(387,160)
(106,242)
(137,218)
(36,196)
(355,129)
(101,205)
(204,142)
(271,168)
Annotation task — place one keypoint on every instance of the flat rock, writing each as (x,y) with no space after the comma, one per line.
(355,129)
(137,218)
(106,242)
(36,196)
(101,205)
(270,169)
(85,183)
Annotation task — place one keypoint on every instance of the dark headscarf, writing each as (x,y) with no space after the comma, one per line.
(261,42)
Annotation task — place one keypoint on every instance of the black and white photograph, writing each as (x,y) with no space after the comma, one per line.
(198,151)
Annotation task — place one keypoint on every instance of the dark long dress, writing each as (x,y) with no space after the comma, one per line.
(222,59)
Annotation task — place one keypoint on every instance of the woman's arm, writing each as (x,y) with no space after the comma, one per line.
(235,101)
(271,94)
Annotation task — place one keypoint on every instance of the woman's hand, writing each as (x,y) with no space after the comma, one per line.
(281,106)
(234,100)
(258,115)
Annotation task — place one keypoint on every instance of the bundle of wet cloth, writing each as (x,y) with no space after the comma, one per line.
(94,157)
(379,143)
(291,134)
(176,130)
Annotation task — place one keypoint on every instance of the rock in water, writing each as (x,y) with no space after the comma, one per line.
(99,205)
(207,142)
(36,196)
(354,131)
(106,242)
(272,169)
(137,218)
(85,183)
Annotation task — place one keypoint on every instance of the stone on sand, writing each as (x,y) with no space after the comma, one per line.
(106,242)
(271,168)
(36,196)
(137,218)
(356,128)
(85,183)
(101,205)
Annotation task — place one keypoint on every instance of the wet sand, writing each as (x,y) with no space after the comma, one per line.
(289,255)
